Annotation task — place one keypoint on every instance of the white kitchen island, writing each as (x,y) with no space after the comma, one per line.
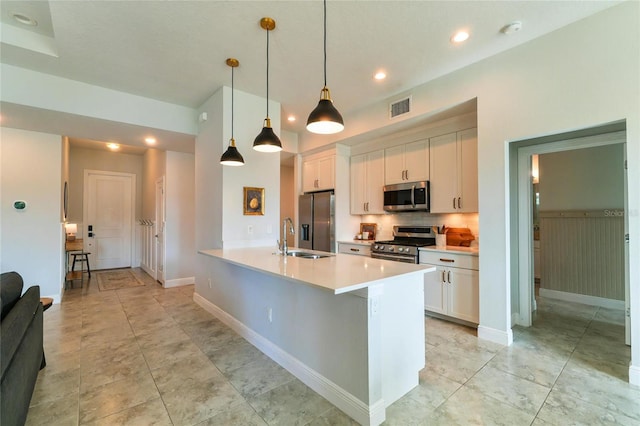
(350,327)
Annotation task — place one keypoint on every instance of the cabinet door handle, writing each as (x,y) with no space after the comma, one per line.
(355,249)
(367,206)
(459,203)
(449,277)
(454,202)
(447,260)
(443,276)
(406,173)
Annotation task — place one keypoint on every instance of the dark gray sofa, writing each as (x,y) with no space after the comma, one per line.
(21,354)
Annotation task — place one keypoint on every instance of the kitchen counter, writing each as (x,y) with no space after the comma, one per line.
(471,251)
(338,273)
(349,327)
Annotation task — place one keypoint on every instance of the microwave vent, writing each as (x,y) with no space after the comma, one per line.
(403,106)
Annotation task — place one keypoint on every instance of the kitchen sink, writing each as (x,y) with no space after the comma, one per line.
(307,254)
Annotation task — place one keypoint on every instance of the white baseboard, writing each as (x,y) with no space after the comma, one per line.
(147,269)
(370,415)
(582,298)
(495,336)
(179,282)
(634,375)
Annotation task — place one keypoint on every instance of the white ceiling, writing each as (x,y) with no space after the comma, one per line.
(175,51)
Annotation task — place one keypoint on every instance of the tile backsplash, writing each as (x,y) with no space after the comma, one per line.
(457,220)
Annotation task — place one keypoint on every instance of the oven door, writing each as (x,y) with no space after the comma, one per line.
(395,257)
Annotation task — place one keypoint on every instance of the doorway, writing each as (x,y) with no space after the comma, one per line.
(522,235)
(108,215)
(159,231)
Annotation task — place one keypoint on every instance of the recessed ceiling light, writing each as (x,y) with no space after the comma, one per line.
(25,20)
(291,118)
(150,141)
(511,28)
(459,37)
(380,75)
(113,146)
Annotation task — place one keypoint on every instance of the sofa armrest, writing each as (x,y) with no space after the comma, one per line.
(15,324)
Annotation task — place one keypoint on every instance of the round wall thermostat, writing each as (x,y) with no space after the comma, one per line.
(19,205)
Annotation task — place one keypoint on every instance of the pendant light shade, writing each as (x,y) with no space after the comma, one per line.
(231,156)
(325,118)
(267,140)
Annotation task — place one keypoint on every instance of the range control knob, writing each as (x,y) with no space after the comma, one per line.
(381,247)
(401,249)
(390,248)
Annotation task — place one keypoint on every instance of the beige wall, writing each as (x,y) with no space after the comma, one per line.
(93,159)
(154,166)
(180,246)
(582,179)
(287,198)
(31,240)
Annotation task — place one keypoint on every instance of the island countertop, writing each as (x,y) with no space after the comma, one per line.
(338,273)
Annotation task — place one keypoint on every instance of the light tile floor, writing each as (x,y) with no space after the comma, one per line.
(146,355)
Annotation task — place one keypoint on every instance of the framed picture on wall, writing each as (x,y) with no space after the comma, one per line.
(253,201)
(368,231)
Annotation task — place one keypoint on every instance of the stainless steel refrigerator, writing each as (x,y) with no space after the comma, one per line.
(316,214)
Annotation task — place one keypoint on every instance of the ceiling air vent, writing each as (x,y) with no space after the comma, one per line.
(400,107)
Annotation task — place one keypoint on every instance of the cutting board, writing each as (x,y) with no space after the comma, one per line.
(459,237)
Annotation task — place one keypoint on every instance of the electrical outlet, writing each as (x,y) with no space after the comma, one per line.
(250,229)
(270,314)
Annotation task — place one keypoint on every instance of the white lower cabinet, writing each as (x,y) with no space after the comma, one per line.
(452,291)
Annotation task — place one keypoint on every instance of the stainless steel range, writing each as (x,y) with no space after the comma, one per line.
(405,244)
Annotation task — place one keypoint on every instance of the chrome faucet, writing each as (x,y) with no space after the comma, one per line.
(284,249)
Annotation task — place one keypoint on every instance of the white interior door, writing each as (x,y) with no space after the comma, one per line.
(108,218)
(159,229)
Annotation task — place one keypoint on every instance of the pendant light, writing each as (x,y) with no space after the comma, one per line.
(231,156)
(325,119)
(267,140)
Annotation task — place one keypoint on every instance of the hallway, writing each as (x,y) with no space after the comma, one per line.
(145,354)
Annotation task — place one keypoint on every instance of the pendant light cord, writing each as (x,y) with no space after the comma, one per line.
(268,73)
(325,43)
(232,102)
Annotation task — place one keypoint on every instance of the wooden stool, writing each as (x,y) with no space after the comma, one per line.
(81,257)
(46,302)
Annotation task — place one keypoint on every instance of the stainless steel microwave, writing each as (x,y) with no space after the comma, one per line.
(410,196)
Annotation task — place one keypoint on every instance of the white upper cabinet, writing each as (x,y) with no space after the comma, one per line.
(454,172)
(367,181)
(318,173)
(407,163)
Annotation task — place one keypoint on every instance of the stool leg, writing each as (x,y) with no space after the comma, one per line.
(73,263)
(86,256)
